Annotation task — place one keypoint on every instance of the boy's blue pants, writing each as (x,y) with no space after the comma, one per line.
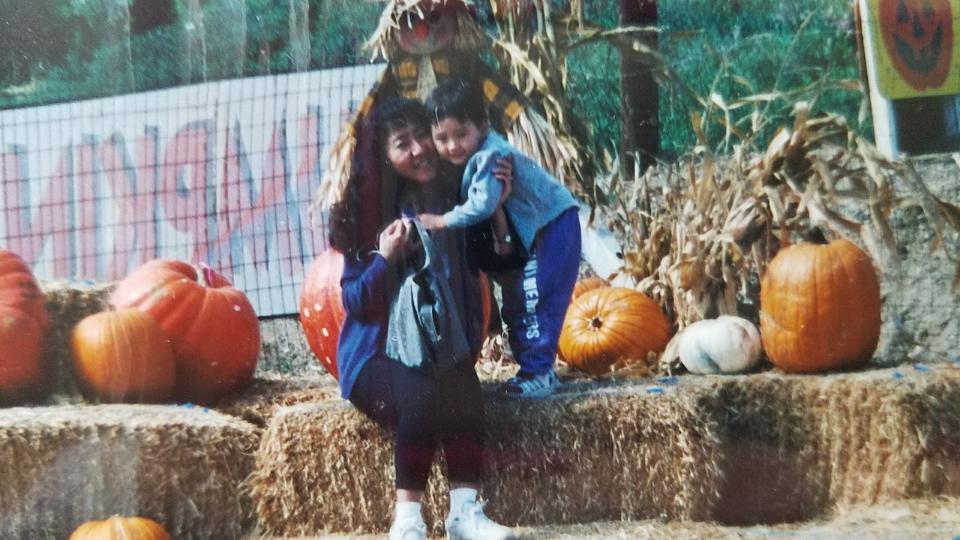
(536,297)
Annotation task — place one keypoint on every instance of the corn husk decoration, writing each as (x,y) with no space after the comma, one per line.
(415,75)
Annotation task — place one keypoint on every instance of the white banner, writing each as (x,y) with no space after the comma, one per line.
(221,173)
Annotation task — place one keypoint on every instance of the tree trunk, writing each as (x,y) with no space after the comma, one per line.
(233,37)
(300,34)
(118,38)
(194,62)
(640,125)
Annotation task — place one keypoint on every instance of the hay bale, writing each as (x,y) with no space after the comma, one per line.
(67,303)
(617,453)
(258,402)
(284,349)
(629,451)
(183,467)
(797,446)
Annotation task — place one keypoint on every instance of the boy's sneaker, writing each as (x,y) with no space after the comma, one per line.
(472,524)
(410,528)
(526,385)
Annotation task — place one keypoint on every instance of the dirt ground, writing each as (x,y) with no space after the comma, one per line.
(921,310)
(919,519)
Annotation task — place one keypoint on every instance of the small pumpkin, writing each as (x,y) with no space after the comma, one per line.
(121,528)
(609,326)
(726,344)
(212,326)
(820,307)
(321,307)
(587,284)
(123,355)
(23,320)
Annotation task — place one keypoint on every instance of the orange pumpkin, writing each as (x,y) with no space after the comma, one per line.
(820,307)
(212,326)
(587,284)
(612,325)
(121,528)
(123,356)
(321,307)
(23,320)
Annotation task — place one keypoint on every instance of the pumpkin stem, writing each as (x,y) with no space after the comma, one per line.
(210,276)
(596,322)
(814,235)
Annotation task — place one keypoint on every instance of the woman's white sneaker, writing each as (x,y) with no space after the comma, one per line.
(472,524)
(409,528)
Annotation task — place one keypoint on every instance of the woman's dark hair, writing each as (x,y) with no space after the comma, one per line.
(370,165)
(456,98)
(398,113)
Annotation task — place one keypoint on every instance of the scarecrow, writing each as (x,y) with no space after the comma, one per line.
(424,42)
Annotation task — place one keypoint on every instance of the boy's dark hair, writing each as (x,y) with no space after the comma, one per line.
(456,98)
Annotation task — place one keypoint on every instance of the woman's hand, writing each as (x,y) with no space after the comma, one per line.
(393,241)
(503,171)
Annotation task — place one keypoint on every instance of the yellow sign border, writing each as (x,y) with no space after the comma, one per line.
(888,79)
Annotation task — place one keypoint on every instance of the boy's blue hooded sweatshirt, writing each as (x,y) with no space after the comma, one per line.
(536,199)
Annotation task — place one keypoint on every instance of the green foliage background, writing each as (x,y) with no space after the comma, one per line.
(63,50)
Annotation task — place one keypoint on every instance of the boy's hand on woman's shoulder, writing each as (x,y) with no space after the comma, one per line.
(503,171)
(432,221)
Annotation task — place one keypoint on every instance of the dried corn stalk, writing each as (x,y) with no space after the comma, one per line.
(713,224)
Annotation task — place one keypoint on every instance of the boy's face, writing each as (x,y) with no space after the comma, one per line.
(456,141)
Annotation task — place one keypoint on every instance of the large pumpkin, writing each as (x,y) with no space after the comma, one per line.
(820,307)
(612,325)
(23,320)
(123,355)
(121,528)
(321,307)
(212,325)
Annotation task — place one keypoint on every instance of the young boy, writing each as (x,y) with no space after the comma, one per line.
(543,214)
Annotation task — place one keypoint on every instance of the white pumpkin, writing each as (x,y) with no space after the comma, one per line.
(726,344)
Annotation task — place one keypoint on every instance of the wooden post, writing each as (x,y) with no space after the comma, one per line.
(639,97)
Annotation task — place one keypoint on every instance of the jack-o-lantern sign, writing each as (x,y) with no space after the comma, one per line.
(918,36)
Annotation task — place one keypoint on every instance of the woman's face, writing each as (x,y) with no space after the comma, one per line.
(409,150)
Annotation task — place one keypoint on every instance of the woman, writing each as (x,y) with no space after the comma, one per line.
(427,408)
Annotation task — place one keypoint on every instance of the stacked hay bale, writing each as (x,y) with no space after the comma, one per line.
(795,446)
(67,303)
(269,392)
(619,453)
(624,452)
(183,467)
